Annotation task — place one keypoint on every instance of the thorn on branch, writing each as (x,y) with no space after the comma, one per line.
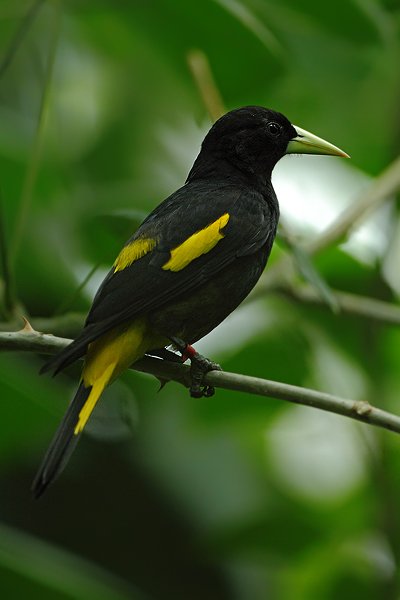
(27,328)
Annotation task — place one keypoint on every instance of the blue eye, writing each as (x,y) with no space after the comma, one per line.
(274,128)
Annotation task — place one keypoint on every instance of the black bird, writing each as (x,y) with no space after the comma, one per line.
(188,266)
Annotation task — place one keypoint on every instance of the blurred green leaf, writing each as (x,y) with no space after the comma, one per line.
(46,568)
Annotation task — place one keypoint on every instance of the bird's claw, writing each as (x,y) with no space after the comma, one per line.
(199,367)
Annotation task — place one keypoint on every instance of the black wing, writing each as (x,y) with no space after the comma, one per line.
(144,286)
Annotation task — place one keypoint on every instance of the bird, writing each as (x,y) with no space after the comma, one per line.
(190,263)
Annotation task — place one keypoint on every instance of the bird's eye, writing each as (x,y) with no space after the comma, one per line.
(274,128)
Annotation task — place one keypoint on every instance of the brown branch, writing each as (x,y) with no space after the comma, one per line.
(33,341)
(351,304)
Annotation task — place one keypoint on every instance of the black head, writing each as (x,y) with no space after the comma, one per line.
(251,139)
(249,142)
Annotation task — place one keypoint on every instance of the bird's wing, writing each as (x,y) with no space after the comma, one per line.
(188,240)
(191,236)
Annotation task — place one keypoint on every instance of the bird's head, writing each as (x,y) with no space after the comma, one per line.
(252,139)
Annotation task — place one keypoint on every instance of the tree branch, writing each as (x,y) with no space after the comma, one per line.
(33,341)
(351,304)
(380,189)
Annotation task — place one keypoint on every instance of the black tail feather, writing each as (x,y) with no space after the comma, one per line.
(62,445)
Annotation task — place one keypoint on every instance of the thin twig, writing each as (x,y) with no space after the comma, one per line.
(203,77)
(304,265)
(351,304)
(33,341)
(282,273)
(381,188)
(19,36)
(33,167)
(70,299)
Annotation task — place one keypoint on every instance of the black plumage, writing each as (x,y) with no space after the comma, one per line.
(222,223)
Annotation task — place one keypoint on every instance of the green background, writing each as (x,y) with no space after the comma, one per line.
(168,497)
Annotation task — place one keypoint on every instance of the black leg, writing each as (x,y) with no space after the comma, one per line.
(199,366)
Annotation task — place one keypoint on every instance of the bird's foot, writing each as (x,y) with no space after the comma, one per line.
(199,367)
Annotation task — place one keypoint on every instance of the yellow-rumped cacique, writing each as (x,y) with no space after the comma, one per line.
(188,266)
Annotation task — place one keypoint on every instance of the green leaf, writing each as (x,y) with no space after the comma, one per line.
(51,569)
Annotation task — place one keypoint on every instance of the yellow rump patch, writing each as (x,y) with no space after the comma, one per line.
(132,252)
(197,244)
(109,356)
(95,393)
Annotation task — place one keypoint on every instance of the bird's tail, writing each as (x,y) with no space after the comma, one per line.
(106,358)
(62,444)
(67,436)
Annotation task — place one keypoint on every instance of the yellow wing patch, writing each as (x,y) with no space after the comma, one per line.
(197,244)
(132,252)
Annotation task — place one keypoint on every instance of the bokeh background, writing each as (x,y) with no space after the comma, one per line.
(103,105)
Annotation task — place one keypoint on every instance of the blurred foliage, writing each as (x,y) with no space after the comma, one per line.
(168,497)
